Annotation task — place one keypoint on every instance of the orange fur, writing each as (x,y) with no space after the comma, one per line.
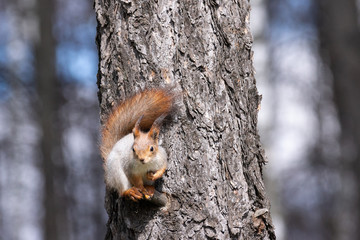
(153,176)
(150,103)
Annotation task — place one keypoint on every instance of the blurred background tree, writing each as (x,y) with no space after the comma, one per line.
(307,54)
(307,59)
(51,179)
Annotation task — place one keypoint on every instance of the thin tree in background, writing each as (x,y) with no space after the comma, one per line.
(339,36)
(214,176)
(52,165)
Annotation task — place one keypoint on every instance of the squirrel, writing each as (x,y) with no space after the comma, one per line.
(133,158)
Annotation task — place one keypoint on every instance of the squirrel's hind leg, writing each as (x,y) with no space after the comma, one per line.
(133,193)
(138,191)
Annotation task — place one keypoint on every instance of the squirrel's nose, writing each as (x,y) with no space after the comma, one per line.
(142,160)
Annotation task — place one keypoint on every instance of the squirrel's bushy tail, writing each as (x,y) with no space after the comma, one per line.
(151,103)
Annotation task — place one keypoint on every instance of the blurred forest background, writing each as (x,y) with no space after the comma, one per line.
(307,57)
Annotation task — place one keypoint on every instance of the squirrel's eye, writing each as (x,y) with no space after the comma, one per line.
(151,148)
(133,149)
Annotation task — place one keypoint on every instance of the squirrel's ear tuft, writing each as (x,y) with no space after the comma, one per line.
(154,133)
(158,122)
(155,128)
(136,129)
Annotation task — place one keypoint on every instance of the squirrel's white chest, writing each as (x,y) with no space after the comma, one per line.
(138,168)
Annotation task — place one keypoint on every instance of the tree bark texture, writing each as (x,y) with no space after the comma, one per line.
(214,177)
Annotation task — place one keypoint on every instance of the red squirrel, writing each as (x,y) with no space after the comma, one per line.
(133,159)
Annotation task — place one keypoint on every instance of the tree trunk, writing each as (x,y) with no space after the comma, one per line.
(214,176)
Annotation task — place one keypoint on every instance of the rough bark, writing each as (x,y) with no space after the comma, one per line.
(214,177)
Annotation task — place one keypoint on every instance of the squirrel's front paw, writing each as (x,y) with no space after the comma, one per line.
(150,176)
(133,194)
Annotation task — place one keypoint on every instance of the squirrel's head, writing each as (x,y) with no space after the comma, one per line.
(146,144)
